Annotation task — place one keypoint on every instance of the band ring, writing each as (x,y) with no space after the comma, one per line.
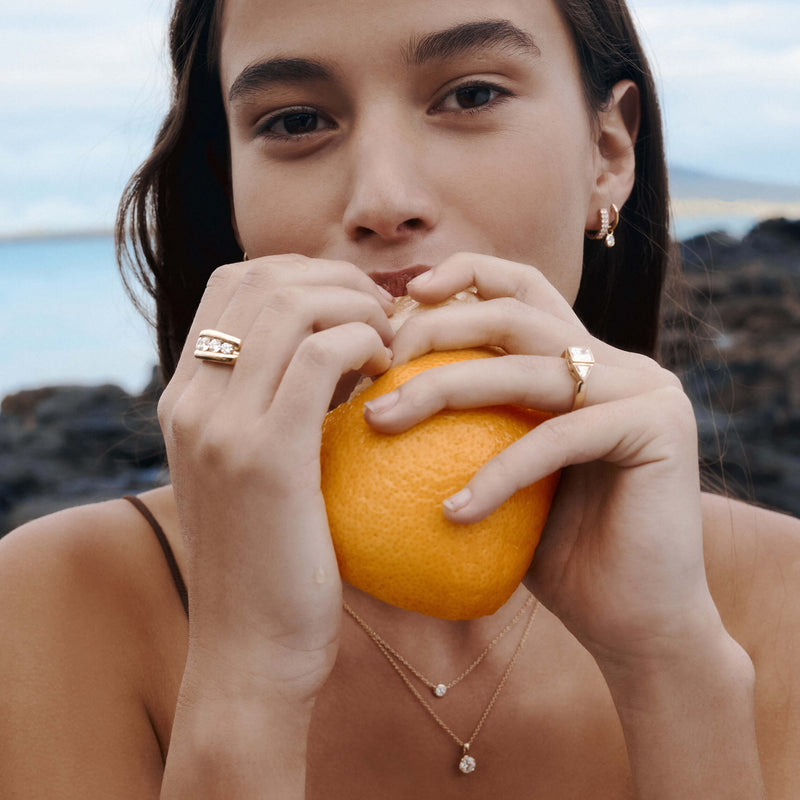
(579,363)
(216,346)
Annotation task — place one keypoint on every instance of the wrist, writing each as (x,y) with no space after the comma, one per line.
(688,719)
(706,667)
(237,746)
(234,668)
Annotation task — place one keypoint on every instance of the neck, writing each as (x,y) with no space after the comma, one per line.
(434,646)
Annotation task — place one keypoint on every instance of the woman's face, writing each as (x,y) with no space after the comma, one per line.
(392,134)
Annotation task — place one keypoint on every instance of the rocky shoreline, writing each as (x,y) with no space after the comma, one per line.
(731,333)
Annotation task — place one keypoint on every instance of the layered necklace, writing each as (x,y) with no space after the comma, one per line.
(467,762)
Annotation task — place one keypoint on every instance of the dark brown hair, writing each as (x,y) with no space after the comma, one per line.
(174,221)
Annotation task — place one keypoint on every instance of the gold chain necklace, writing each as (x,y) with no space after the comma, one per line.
(467,763)
(439,689)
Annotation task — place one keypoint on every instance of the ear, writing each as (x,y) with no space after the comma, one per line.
(219,163)
(615,158)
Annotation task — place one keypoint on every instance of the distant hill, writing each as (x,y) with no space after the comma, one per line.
(691,184)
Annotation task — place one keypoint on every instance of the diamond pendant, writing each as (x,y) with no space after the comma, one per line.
(467,763)
(440,690)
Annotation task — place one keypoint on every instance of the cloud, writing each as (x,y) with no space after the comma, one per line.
(728,73)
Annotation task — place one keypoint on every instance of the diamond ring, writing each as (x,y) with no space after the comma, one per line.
(579,363)
(217,346)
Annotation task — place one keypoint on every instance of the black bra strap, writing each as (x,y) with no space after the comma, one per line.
(177,578)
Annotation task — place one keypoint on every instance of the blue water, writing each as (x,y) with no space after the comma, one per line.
(65,318)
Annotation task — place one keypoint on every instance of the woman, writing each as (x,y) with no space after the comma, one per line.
(458,144)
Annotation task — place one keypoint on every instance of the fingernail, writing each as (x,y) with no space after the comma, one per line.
(387,295)
(458,500)
(383,403)
(421,279)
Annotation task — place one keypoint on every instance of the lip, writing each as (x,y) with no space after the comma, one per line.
(395,281)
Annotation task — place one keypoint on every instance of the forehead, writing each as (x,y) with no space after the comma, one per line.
(370,33)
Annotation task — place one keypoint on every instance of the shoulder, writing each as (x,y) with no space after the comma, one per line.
(88,614)
(78,557)
(753,565)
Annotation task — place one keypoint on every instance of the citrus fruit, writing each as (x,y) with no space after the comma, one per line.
(384,493)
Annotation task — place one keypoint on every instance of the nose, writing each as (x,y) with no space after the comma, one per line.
(391,197)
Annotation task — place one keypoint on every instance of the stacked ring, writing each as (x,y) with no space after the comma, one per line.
(217,346)
(579,363)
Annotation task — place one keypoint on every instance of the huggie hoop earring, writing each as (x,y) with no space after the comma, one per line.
(610,239)
(244,255)
(607,226)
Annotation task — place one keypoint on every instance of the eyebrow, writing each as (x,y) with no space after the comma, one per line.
(469,37)
(456,41)
(277,70)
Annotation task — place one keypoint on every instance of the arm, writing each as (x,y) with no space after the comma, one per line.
(243,444)
(244,745)
(688,721)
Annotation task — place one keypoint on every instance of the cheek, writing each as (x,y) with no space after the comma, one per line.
(278,211)
(534,194)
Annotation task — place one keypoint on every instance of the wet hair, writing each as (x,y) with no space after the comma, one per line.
(174,220)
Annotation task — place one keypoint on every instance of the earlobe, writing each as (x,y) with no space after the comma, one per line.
(616,160)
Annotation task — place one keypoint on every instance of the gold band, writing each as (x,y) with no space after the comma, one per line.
(579,363)
(216,346)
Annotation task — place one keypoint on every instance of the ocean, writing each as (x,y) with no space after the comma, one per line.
(66,319)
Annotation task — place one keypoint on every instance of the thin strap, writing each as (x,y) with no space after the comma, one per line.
(177,578)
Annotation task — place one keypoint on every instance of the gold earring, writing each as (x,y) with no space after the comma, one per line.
(244,255)
(607,226)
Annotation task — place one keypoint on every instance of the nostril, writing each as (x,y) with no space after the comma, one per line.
(414,224)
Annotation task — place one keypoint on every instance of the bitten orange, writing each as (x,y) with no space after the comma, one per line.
(384,493)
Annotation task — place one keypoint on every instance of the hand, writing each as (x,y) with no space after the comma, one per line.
(621,559)
(243,444)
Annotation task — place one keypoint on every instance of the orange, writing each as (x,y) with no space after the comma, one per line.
(383,494)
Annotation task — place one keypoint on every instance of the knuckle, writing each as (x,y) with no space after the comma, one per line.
(260,275)
(510,306)
(317,350)
(675,409)
(461,257)
(284,299)
(672,380)
(181,420)
(223,275)
(164,408)
(500,473)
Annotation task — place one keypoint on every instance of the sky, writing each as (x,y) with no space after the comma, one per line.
(83,87)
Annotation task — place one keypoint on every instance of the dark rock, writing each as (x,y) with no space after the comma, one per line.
(65,445)
(732,334)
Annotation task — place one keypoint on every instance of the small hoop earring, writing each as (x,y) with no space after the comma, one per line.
(608,224)
(244,255)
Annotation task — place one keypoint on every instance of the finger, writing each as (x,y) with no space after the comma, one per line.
(535,382)
(504,322)
(311,377)
(236,293)
(492,277)
(292,315)
(641,431)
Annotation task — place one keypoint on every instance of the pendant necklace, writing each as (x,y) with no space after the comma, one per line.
(467,762)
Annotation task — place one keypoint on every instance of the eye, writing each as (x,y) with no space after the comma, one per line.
(472,96)
(293,123)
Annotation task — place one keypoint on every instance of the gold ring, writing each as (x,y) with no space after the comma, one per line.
(217,346)
(579,363)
